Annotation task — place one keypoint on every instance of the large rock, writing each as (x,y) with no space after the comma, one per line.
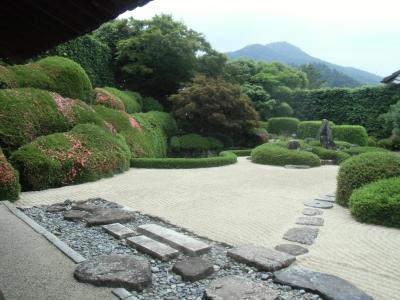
(75,215)
(262,258)
(294,145)
(291,249)
(115,271)
(193,269)
(328,286)
(302,235)
(105,216)
(237,288)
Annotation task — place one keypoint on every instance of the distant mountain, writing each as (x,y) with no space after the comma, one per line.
(289,54)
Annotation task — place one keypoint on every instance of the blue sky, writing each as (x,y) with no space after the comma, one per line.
(362,34)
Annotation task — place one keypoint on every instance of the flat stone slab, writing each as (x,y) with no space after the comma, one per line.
(104,216)
(302,235)
(85,207)
(313,221)
(75,215)
(193,269)
(118,230)
(152,247)
(297,167)
(56,208)
(318,204)
(328,286)
(120,271)
(291,249)
(179,241)
(237,288)
(309,211)
(262,258)
(326,198)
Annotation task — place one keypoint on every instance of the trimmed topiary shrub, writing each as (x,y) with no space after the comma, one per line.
(215,144)
(309,129)
(151,104)
(132,101)
(225,158)
(285,126)
(353,134)
(337,156)
(86,153)
(9,180)
(190,144)
(359,150)
(362,169)
(377,202)
(103,97)
(272,154)
(241,152)
(28,113)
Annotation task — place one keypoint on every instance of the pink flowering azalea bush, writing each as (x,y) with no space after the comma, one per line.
(103,97)
(9,180)
(86,153)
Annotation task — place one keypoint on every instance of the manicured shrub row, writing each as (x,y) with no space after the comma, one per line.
(377,202)
(28,113)
(225,158)
(86,153)
(359,150)
(353,134)
(272,154)
(309,129)
(194,144)
(337,156)
(285,126)
(132,101)
(103,97)
(56,74)
(9,180)
(365,168)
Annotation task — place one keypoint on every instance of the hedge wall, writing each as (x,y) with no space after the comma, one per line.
(309,129)
(9,180)
(56,74)
(360,106)
(86,153)
(283,125)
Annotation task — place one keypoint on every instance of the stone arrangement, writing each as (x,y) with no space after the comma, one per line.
(145,258)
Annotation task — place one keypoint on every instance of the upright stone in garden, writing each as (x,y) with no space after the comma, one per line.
(115,271)
(302,235)
(235,288)
(118,231)
(152,247)
(193,269)
(179,241)
(329,286)
(325,135)
(262,258)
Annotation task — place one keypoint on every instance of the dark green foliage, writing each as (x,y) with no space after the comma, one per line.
(56,74)
(283,110)
(391,119)
(365,168)
(194,145)
(359,150)
(377,203)
(361,106)
(93,56)
(272,154)
(241,152)
(337,156)
(86,153)
(353,134)
(131,100)
(372,142)
(225,158)
(151,104)
(309,129)
(9,180)
(385,143)
(215,144)
(282,125)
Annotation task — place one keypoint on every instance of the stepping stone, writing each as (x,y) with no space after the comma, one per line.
(106,216)
(297,167)
(75,215)
(291,249)
(152,247)
(318,204)
(118,231)
(326,198)
(193,269)
(308,211)
(120,271)
(302,235)
(328,286)
(235,288)
(262,258)
(313,221)
(179,241)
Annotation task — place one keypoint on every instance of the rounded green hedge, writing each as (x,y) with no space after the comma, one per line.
(359,150)
(309,129)
(377,203)
(105,98)
(131,100)
(28,113)
(241,152)
(225,158)
(151,104)
(353,134)
(337,156)
(56,74)
(86,153)
(286,126)
(362,169)
(271,154)
(9,180)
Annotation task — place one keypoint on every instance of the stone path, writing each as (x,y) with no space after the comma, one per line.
(248,203)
